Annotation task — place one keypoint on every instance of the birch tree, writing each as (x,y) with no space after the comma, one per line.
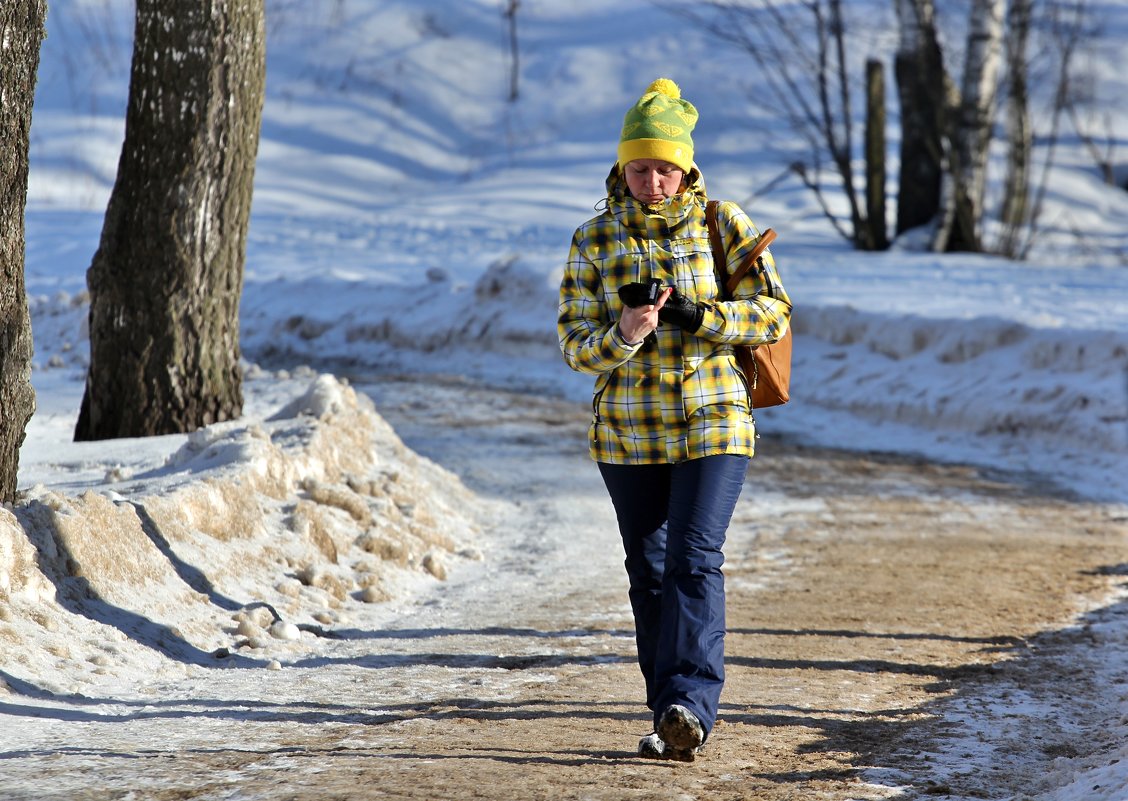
(166,280)
(1019,134)
(964,183)
(21,34)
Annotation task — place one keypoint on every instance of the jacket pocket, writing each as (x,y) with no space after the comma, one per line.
(717,381)
(695,275)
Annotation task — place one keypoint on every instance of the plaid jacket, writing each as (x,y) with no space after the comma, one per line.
(676,396)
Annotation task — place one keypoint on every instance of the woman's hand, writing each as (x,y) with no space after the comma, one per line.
(637,323)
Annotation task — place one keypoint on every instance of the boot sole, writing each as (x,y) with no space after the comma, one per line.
(680,729)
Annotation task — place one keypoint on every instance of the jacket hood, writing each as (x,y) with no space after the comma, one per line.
(676,211)
(617,184)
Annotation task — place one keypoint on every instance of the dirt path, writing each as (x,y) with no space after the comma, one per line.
(897,629)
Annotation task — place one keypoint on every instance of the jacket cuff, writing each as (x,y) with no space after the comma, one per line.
(621,340)
(712,324)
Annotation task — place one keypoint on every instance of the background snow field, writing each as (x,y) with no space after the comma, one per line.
(408,218)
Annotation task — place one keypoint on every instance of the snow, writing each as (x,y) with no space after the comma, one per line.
(406,217)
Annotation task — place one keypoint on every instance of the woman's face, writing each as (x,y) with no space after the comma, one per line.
(652,181)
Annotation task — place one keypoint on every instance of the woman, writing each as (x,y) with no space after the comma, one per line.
(672,429)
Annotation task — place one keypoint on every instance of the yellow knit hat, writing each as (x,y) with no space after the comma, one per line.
(658,126)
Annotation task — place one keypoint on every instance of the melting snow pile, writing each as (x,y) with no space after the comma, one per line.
(254,538)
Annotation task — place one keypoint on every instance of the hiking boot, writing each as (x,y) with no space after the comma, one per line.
(652,747)
(680,729)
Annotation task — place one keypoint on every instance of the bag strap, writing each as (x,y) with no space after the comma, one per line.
(720,259)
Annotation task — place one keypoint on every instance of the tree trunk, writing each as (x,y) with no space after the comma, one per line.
(921,79)
(972,129)
(514,51)
(1016,186)
(166,280)
(21,33)
(838,128)
(876,236)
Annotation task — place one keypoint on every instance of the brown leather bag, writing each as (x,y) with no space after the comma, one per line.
(767,367)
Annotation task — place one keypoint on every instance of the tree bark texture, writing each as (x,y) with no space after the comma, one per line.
(972,126)
(1016,185)
(876,235)
(21,34)
(166,280)
(921,78)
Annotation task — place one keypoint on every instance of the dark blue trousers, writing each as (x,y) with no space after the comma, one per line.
(673,519)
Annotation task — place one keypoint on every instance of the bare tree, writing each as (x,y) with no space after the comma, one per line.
(811,86)
(877,237)
(22,32)
(922,87)
(1066,23)
(964,118)
(1019,134)
(1090,118)
(837,129)
(514,50)
(947,126)
(167,278)
(1097,132)
(964,183)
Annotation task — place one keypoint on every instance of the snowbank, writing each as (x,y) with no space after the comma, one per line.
(991,389)
(996,390)
(984,378)
(251,536)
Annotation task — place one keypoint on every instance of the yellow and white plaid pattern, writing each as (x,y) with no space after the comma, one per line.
(676,396)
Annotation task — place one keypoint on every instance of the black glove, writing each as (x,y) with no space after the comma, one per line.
(635,295)
(682,312)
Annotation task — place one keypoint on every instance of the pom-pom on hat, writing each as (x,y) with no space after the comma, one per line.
(658,126)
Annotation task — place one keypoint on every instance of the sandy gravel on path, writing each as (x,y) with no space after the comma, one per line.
(897,629)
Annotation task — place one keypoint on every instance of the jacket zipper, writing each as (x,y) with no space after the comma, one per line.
(595,402)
